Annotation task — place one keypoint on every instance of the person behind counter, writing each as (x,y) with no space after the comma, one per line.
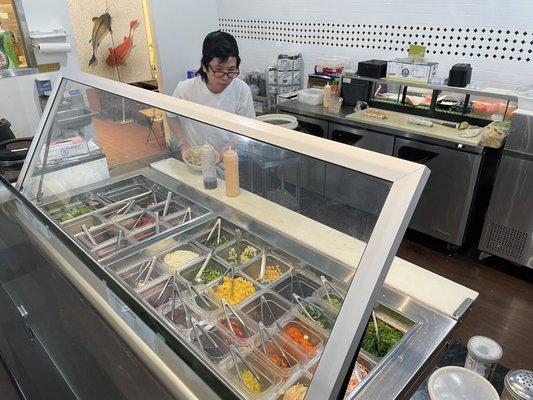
(215,85)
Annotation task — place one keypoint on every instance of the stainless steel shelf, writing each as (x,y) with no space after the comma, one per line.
(12,73)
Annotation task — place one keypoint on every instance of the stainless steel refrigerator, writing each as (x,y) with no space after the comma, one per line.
(508,227)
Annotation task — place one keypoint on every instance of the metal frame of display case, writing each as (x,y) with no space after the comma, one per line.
(407,180)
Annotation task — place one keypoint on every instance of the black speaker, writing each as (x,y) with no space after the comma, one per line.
(460,75)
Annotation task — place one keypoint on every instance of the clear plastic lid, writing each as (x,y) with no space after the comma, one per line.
(485,348)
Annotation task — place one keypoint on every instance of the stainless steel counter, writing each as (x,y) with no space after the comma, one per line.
(459,171)
(319,112)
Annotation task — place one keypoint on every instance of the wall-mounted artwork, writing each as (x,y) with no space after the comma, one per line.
(111,38)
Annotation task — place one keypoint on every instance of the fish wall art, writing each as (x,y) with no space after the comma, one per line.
(120,54)
(101,27)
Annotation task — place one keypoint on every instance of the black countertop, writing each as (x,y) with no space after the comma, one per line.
(295,107)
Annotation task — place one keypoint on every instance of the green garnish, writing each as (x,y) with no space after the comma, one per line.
(388,335)
(212,242)
(74,212)
(248,253)
(335,303)
(211,273)
(318,316)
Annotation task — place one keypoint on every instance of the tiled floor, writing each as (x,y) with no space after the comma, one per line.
(125,142)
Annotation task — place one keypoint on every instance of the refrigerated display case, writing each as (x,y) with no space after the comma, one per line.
(250,296)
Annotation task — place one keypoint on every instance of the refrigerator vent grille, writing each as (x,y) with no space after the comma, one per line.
(507,241)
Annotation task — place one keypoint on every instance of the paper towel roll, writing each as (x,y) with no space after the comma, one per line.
(52,48)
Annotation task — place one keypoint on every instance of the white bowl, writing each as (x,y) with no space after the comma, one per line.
(458,383)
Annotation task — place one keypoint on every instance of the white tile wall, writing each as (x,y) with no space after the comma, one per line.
(264,29)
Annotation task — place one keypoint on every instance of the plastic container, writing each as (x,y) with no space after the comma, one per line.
(327,95)
(518,385)
(302,380)
(283,120)
(270,379)
(294,356)
(525,100)
(458,383)
(483,355)
(276,308)
(231,167)
(335,104)
(313,96)
(253,270)
(209,171)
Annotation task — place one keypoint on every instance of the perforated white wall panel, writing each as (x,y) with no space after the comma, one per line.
(495,37)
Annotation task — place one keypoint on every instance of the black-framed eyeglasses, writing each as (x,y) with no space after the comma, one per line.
(221,74)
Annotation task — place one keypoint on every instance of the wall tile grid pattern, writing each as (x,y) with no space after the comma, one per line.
(496,39)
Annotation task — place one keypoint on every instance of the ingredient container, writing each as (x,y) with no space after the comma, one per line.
(518,385)
(483,355)
(457,383)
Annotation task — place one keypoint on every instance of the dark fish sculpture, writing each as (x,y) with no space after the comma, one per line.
(101,27)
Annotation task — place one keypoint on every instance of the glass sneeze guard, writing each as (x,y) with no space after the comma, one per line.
(262,289)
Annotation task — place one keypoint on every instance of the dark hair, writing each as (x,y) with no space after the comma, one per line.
(218,44)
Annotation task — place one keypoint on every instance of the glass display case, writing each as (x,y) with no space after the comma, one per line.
(470,104)
(258,300)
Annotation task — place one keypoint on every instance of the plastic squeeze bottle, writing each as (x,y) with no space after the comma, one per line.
(209,170)
(327,95)
(231,171)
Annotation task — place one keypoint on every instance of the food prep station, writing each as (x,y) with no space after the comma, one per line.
(462,167)
(116,224)
(234,288)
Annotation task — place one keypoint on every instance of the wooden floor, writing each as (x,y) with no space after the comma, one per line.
(504,308)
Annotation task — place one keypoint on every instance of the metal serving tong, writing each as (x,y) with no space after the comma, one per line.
(376,326)
(157,221)
(200,296)
(188,213)
(119,240)
(325,285)
(170,283)
(167,203)
(147,266)
(122,210)
(266,335)
(197,327)
(175,294)
(263,303)
(230,312)
(88,234)
(198,277)
(238,235)
(234,355)
(139,219)
(262,270)
(301,301)
(216,226)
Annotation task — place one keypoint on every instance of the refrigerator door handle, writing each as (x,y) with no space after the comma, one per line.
(416,155)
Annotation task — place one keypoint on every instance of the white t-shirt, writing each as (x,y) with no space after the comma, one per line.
(236,98)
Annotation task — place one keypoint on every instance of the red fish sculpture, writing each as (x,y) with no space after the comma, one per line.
(120,54)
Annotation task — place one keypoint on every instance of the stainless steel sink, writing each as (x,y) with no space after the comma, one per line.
(75,118)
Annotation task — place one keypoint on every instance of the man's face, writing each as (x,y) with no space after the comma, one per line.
(216,71)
